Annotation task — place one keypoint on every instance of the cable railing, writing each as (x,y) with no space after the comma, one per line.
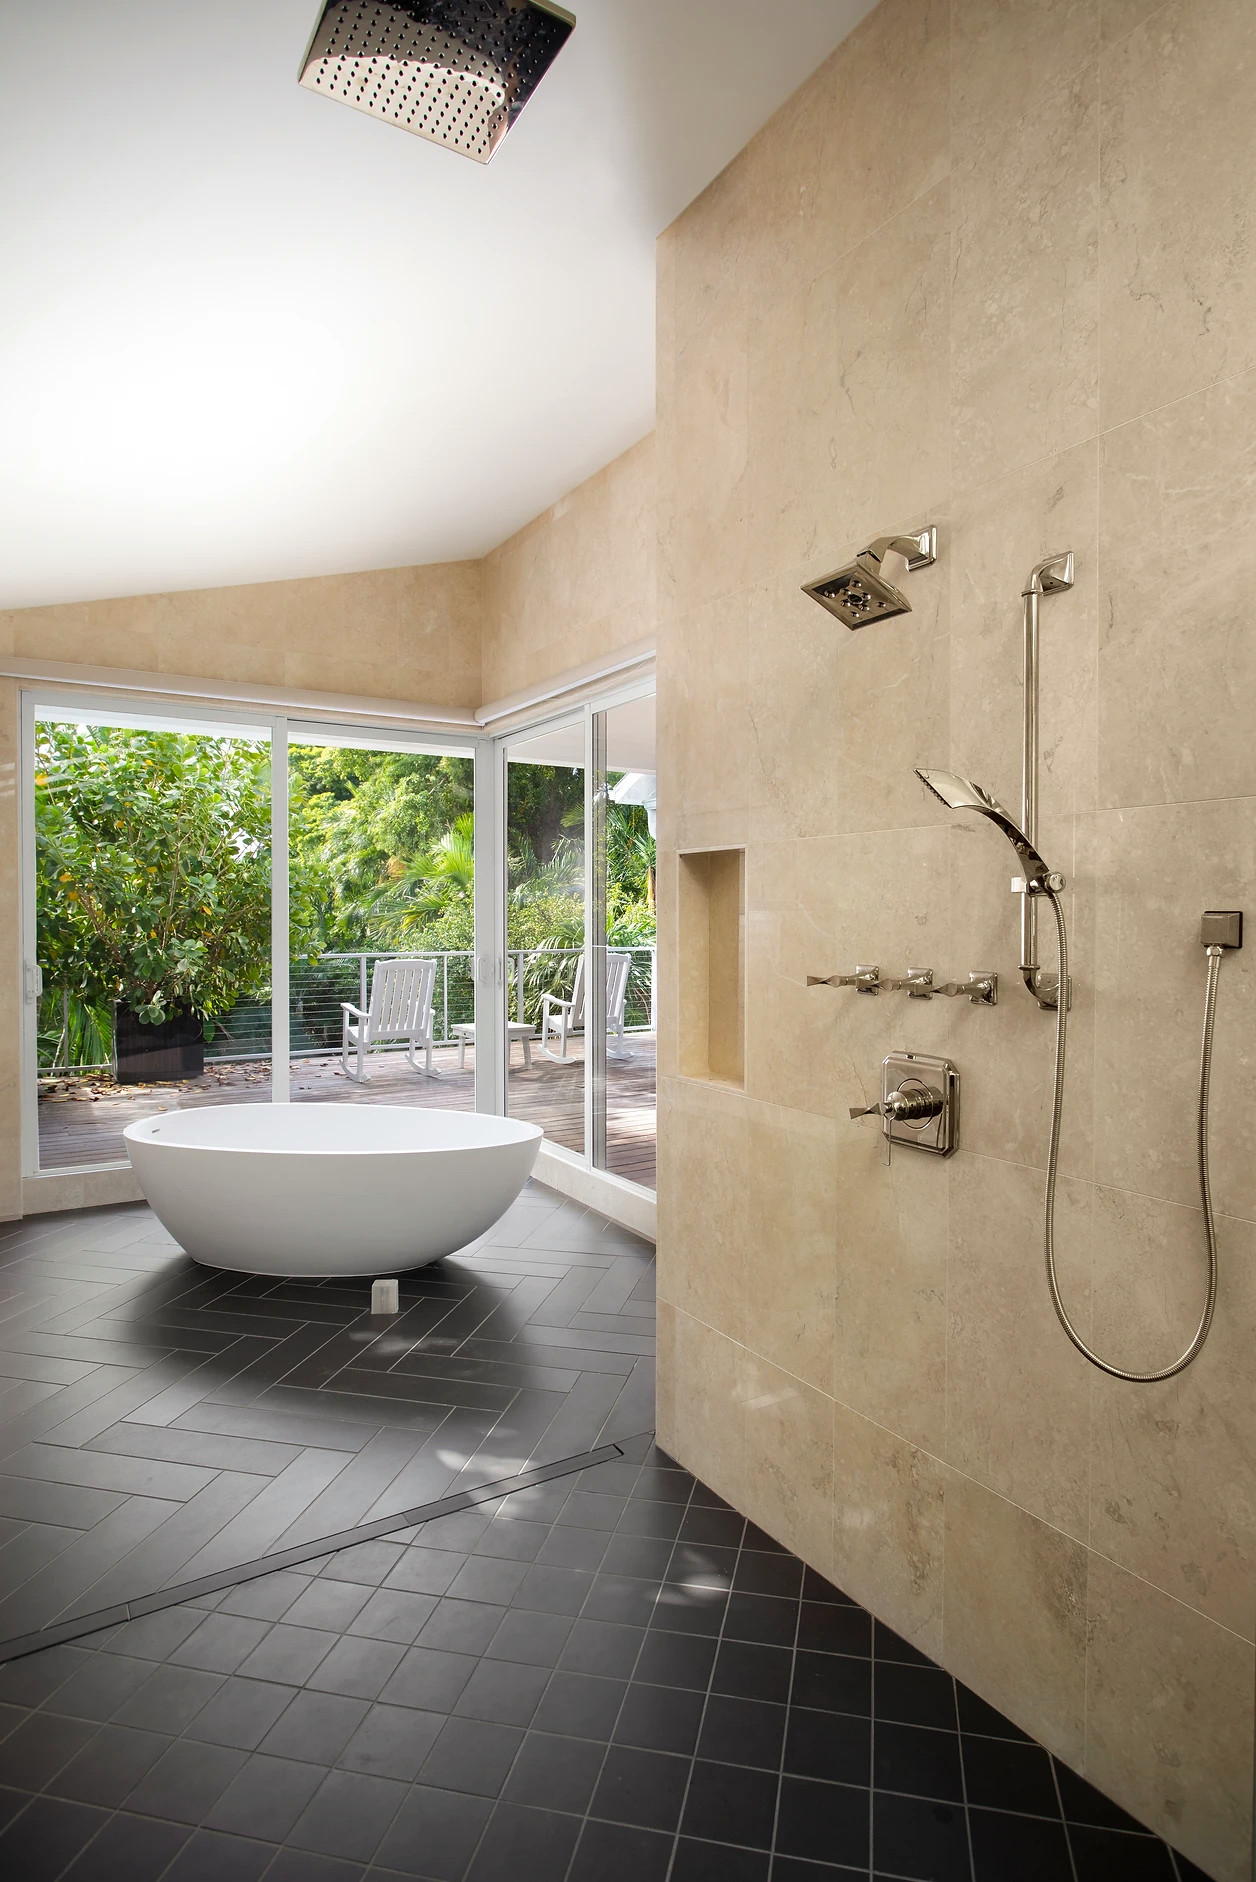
(318,984)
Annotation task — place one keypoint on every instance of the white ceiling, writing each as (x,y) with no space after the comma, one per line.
(247,333)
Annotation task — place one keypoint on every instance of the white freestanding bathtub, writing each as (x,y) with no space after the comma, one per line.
(326,1189)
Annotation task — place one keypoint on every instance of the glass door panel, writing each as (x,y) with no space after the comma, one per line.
(624,1128)
(382,920)
(152,909)
(544,979)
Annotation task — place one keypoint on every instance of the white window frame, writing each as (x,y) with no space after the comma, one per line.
(282,728)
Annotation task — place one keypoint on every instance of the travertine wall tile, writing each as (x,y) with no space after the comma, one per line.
(1177,288)
(1173,1466)
(888,1534)
(1016,1614)
(1169,1719)
(1156,871)
(789,1459)
(1024,336)
(1177,656)
(791,1241)
(1004,1348)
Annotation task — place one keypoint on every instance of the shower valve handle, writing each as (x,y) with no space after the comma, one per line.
(904,1107)
(864,980)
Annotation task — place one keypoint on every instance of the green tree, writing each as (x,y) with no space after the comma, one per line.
(153,862)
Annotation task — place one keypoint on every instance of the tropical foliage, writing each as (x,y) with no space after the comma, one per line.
(154,873)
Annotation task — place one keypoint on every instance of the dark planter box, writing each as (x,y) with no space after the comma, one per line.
(149,1054)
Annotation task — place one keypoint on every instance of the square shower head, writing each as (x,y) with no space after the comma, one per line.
(456,71)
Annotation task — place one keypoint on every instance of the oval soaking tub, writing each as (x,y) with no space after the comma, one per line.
(327,1189)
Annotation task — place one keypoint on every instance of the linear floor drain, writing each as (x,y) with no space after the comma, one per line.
(82,1624)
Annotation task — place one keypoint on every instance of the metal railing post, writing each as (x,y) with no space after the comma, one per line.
(362,982)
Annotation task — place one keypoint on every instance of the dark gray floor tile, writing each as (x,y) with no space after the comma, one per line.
(37,1845)
(30,1680)
(394,1614)
(512,1539)
(129,1849)
(366,1562)
(743,1732)
(358,1668)
(169,1699)
(265,1798)
(823,1822)
(392,1741)
(301,1865)
(523,1844)
(96,1690)
(328,1604)
(1118,1856)
(316,1727)
(434,1834)
(349,1815)
(110,1765)
(726,1801)
(421,1570)
(487,1578)
(574,1548)
(552,1590)
(240,1713)
(42,1745)
(461,1626)
(1029,1848)
(288,1654)
(220,1644)
(268,1598)
(646,1788)
(615,1852)
(531,1639)
(429,1679)
(555,1773)
(471,1755)
(503,1692)
(155,1636)
(717,1862)
(833,1746)
(186,1782)
(660,1718)
(919,1762)
(577,1706)
(211,1856)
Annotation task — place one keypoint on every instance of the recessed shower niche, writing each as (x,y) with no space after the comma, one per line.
(712,917)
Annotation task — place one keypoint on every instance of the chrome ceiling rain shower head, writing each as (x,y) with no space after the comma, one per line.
(457,72)
(860,593)
(962,794)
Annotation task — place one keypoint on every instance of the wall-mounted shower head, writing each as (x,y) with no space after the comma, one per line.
(458,72)
(860,593)
(962,794)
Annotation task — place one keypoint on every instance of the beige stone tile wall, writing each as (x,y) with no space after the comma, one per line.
(992,268)
(407,633)
(576,583)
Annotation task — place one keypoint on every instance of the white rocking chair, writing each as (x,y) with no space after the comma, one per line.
(564,1017)
(400,1008)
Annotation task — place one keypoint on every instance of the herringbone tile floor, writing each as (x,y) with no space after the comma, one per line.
(160,1421)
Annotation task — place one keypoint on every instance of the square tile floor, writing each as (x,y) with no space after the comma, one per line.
(160,1421)
(611,1677)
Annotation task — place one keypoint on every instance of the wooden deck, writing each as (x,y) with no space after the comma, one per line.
(81,1131)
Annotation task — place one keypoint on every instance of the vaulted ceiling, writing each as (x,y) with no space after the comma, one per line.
(247,333)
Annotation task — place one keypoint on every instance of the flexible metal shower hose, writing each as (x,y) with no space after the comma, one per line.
(1205,1186)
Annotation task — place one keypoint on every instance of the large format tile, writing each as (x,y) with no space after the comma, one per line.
(1016,1613)
(1024,336)
(206,1419)
(1177,293)
(887,1489)
(1173,1466)
(1169,1719)
(1004,1346)
(1176,663)
(1156,871)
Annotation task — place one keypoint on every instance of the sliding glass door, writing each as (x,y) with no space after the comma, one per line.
(381,896)
(578,968)
(544,977)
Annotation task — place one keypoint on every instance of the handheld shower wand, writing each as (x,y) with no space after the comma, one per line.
(1220,931)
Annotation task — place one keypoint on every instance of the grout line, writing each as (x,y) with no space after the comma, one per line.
(706,1699)
(22,1644)
(1059,1798)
